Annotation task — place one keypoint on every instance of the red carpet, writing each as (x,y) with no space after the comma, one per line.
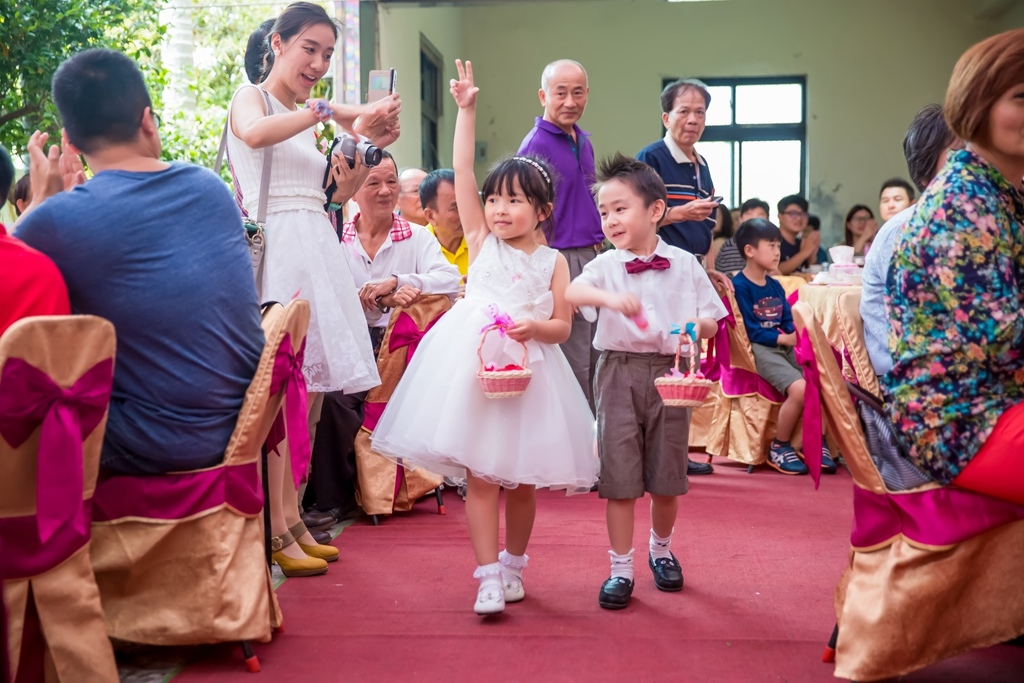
(761,554)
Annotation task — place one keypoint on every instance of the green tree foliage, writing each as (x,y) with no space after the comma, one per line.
(36,36)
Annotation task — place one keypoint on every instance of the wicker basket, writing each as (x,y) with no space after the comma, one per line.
(684,390)
(502,383)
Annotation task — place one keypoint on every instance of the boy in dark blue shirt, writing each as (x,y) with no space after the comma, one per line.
(769,324)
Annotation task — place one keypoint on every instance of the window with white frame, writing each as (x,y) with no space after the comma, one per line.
(755,137)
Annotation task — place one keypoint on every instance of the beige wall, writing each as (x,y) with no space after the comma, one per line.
(1014,18)
(400,31)
(870,65)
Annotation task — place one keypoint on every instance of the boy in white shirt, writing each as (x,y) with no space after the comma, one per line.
(645,287)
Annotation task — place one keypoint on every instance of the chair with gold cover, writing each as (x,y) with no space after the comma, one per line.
(746,407)
(383,487)
(55,380)
(180,558)
(933,570)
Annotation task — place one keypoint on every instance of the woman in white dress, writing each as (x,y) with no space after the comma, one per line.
(303,257)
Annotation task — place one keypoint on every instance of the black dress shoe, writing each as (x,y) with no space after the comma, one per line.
(615,593)
(668,575)
(693,468)
(316,520)
(322,537)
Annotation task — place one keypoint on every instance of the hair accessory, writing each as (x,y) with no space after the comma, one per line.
(537,166)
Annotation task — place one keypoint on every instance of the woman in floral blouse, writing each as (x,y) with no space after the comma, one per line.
(955,291)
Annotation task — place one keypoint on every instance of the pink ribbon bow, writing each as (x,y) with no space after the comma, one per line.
(68,416)
(499,321)
(293,421)
(406,333)
(812,405)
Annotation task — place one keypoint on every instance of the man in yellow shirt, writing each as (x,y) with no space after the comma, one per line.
(437,196)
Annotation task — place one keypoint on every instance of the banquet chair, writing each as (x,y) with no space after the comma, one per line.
(382,487)
(852,326)
(933,571)
(746,408)
(180,558)
(55,379)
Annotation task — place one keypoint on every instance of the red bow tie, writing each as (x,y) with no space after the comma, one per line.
(657,263)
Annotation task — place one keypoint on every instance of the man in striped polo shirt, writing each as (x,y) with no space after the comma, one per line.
(691,213)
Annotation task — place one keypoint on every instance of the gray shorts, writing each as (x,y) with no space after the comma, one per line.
(777,364)
(642,444)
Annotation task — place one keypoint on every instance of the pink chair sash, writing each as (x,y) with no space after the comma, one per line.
(812,406)
(293,421)
(30,399)
(934,517)
(178,495)
(24,555)
(736,381)
(406,333)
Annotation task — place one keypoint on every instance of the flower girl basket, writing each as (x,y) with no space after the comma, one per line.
(688,390)
(507,382)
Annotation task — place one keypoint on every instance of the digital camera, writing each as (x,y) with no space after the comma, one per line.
(349,146)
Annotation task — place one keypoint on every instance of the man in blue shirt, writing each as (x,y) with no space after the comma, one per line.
(576,227)
(158,249)
(691,213)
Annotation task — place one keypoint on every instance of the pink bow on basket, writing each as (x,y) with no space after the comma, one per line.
(499,321)
(67,417)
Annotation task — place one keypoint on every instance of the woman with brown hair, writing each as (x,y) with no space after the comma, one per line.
(955,292)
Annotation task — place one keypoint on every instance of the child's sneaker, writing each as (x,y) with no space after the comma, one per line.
(782,457)
(828,464)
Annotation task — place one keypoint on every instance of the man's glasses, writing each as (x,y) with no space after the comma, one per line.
(156,117)
(795,214)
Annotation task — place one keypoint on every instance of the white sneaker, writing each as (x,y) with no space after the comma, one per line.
(514,591)
(490,599)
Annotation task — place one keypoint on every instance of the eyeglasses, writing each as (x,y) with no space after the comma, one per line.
(795,214)
(860,219)
(156,117)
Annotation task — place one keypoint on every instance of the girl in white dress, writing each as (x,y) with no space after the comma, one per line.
(304,259)
(438,416)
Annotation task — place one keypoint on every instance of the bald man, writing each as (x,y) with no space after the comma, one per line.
(409,195)
(576,228)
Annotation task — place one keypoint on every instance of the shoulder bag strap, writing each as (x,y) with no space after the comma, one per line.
(261,212)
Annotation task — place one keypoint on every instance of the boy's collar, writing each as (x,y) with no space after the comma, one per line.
(662,249)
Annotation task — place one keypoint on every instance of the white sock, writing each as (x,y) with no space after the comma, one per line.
(661,547)
(622,565)
(512,566)
(489,574)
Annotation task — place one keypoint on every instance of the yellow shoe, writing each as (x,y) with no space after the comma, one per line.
(327,553)
(308,566)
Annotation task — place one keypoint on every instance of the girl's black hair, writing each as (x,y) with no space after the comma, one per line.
(537,185)
(849,215)
(258,55)
(725,225)
(295,18)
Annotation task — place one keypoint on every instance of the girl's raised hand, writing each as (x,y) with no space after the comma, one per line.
(463,89)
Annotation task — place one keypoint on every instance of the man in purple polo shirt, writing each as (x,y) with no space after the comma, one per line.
(576,230)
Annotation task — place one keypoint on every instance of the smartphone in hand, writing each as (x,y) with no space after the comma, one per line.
(382,83)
